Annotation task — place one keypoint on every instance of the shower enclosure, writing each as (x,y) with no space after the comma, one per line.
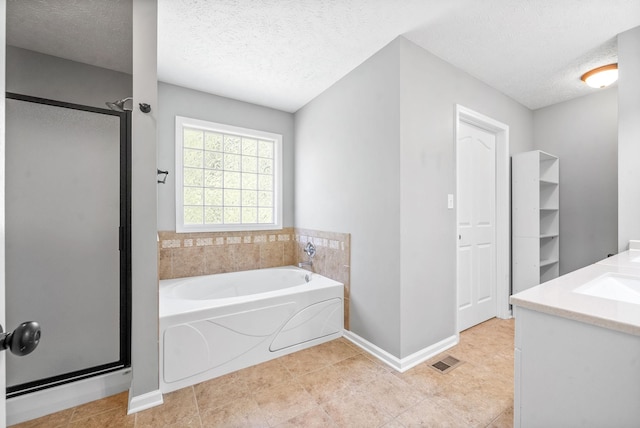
(67,239)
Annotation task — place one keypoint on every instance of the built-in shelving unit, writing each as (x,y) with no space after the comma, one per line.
(536,218)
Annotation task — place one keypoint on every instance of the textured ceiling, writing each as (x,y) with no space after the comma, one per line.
(532,50)
(283,53)
(95,32)
(279,53)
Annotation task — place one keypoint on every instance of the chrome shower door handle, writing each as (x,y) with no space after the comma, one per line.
(21,341)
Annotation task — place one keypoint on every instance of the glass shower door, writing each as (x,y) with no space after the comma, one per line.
(63,238)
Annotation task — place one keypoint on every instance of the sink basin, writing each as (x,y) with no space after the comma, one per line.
(613,286)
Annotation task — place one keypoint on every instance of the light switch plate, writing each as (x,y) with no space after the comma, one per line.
(450,201)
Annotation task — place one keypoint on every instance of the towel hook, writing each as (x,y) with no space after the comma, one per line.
(164,179)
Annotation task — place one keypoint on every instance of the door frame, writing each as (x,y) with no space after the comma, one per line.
(3,74)
(503,197)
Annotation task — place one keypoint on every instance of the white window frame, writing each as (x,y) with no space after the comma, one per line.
(181,123)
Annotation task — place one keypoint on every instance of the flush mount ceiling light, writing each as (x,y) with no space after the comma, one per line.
(601,77)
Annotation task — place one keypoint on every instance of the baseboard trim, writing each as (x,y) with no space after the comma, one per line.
(402,364)
(144,401)
(507,315)
(41,403)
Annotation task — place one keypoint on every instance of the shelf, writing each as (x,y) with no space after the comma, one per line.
(547,262)
(544,156)
(536,218)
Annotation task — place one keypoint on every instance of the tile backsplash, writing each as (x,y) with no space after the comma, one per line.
(193,254)
(332,259)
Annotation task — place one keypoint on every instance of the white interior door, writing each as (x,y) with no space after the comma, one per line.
(476,276)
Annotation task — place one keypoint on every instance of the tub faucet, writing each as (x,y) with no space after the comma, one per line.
(310,249)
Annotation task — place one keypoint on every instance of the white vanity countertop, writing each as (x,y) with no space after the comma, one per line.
(557,297)
(629,258)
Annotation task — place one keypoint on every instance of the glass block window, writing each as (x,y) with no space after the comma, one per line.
(227,178)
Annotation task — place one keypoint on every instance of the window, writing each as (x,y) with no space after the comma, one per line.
(227,178)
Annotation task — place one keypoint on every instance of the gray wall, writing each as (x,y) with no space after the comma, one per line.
(375,158)
(430,89)
(628,137)
(178,101)
(45,76)
(144,260)
(348,180)
(583,133)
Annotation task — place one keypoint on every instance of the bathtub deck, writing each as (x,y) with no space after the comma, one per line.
(333,384)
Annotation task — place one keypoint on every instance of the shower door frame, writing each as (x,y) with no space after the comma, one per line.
(125,254)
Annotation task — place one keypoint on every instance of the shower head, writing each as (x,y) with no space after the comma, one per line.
(118,105)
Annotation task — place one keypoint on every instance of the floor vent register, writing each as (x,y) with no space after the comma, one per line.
(446,364)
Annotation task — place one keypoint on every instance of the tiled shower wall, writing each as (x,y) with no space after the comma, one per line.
(193,254)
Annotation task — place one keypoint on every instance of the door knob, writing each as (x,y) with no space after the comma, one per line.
(23,340)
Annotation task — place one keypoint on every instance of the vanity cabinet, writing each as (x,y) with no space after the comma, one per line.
(574,374)
(577,348)
(536,218)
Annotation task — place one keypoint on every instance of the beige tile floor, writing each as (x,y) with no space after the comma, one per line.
(333,385)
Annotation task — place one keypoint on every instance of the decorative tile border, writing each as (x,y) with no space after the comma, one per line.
(171,243)
(169,239)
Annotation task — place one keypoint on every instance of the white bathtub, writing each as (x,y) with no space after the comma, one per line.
(215,324)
